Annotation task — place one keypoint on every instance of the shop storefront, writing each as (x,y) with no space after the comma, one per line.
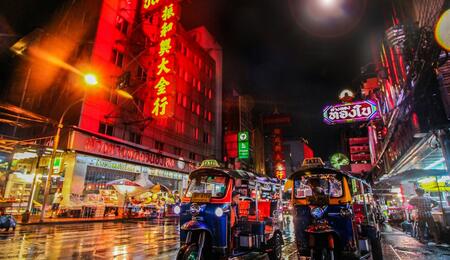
(96,177)
(107,178)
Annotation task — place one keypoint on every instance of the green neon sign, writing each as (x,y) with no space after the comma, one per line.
(243,145)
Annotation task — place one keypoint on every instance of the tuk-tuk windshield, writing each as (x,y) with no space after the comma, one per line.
(326,184)
(215,185)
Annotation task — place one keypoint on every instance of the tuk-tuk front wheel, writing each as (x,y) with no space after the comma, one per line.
(276,247)
(189,252)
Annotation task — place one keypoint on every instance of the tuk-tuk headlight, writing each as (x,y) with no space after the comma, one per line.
(218,212)
(346,213)
(317,213)
(195,209)
(176,209)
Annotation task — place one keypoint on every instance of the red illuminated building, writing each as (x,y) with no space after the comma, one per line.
(172,122)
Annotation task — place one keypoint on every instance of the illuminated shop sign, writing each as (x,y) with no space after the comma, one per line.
(163,88)
(243,145)
(93,145)
(128,167)
(358,111)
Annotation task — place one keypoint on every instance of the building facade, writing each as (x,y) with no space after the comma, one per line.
(410,140)
(172,120)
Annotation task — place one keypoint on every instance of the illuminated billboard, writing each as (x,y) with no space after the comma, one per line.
(358,111)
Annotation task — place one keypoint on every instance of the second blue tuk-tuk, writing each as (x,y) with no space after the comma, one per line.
(207,228)
(334,214)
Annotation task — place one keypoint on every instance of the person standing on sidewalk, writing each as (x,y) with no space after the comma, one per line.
(56,201)
(424,205)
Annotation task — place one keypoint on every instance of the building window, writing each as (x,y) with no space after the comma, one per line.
(206,138)
(196,133)
(147,42)
(209,116)
(135,138)
(117,58)
(106,129)
(179,127)
(122,25)
(199,86)
(177,151)
(159,145)
(185,101)
(179,98)
(193,107)
(210,94)
(192,156)
(186,76)
(141,74)
(198,109)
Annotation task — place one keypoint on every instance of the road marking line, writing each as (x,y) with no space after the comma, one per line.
(395,252)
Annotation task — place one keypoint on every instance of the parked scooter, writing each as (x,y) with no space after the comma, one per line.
(7,222)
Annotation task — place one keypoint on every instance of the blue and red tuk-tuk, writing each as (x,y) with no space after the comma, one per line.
(207,229)
(334,214)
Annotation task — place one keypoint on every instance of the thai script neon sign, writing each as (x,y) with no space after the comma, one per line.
(358,111)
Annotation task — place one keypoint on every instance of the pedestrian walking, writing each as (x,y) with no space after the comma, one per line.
(424,205)
(56,202)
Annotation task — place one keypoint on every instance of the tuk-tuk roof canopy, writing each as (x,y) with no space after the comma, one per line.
(315,169)
(238,174)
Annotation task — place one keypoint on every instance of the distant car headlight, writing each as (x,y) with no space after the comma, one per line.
(176,209)
(317,213)
(218,212)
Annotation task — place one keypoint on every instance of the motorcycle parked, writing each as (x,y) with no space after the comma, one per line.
(7,222)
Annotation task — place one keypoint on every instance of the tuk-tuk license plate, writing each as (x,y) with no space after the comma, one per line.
(201,197)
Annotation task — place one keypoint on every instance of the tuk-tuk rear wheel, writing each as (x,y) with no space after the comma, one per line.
(376,248)
(322,254)
(277,246)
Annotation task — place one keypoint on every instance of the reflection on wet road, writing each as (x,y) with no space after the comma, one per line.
(108,240)
(157,239)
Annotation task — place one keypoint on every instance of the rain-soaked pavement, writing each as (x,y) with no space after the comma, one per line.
(157,239)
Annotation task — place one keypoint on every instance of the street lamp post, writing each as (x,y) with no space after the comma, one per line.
(90,79)
(53,156)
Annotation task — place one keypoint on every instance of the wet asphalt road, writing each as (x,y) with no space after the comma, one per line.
(157,239)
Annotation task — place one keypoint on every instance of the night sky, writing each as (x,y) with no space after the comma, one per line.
(267,54)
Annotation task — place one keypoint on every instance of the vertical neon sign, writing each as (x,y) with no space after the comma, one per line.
(163,88)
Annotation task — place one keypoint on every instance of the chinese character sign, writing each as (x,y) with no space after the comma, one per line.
(163,88)
(278,157)
(350,112)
